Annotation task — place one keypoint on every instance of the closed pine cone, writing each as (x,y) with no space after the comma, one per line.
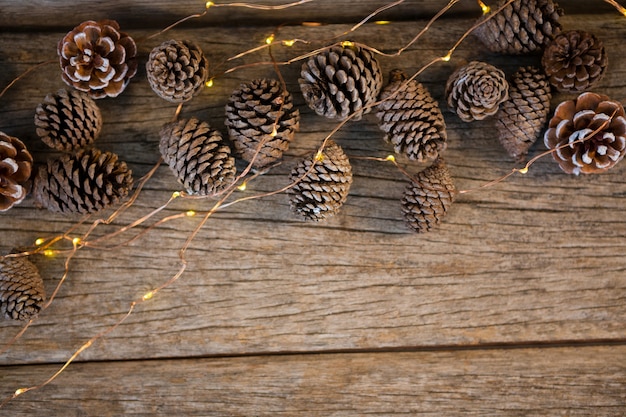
(411,119)
(198,156)
(569,131)
(97,58)
(476,90)
(177,70)
(522,117)
(16,165)
(86,182)
(68,120)
(262,121)
(324,181)
(341,81)
(22,293)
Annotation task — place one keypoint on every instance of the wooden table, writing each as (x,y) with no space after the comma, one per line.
(516,305)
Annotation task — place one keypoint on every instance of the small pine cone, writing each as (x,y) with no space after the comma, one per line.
(261,121)
(411,119)
(524,114)
(428,198)
(340,81)
(198,156)
(68,120)
(476,90)
(177,70)
(324,181)
(522,27)
(575,61)
(569,131)
(16,165)
(86,182)
(22,292)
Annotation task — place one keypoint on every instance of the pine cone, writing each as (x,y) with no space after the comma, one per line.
(427,199)
(324,181)
(522,117)
(68,120)
(86,182)
(575,61)
(198,156)
(570,137)
(476,90)
(522,27)
(411,119)
(341,81)
(177,70)
(16,164)
(22,292)
(261,121)
(97,58)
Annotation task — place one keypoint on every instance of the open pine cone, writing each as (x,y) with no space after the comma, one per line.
(22,293)
(16,164)
(571,135)
(97,58)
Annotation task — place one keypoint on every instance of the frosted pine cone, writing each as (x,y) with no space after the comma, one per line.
(340,81)
(198,156)
(177,70)
(97,58)
(324,181)
(476,90)
(522,27)
(575,61)
(68,120)
(16,164)
(22,292)
(86,182)
(261,121)
(427,199)
(570,136)
(411,119)
(522,117)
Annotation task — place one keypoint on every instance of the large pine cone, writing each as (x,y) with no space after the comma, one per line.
(575,61)
(411,119)
(261,121)
(16,165)
(522,117)
(198,156)
(177,70)
(428,198)
(340,81)
(522,27)
(68,120)
(570,136)
(324,181)
(86,182)
(97,58)
(22,293)
(476,90)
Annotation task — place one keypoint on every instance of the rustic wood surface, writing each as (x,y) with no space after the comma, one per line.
(355,316)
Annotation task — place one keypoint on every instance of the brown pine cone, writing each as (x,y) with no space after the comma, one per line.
(86,182)
(476,90)
(97,58)
(177,70)
(261,121)
(522,117)
(411,119)
(428,198)
(16,165)
(575,61)
(571,135)
(340,81)
(198,156)
(68,120)
(522,27)
(22,293)
(324,181)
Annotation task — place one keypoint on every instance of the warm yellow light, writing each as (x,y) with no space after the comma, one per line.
(382,22)
(48,252)
(243,186)
(289,42)
(446,58)
(311,24)
(274,132)
(40,241)
(269,39)
(20,391)
(190,213)
(176,194)
(209,4)
(347,43)
(209,83)
(148,296)
(76,241)
(391,158)
(523,170)
(486,9)
(319,156)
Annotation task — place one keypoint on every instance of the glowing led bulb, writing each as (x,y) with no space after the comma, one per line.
(190,213)
(289,42)
(269,39)
(523,170)
(20,391)
(274,132)
(39,241)
(382,22)
(446,58)
(209,83)
(209,4)
(148,295)
(486,9)
(242,187)
(48,252)
(319,156)
(391,158)
(76,241)
(176,194)
(347,43)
